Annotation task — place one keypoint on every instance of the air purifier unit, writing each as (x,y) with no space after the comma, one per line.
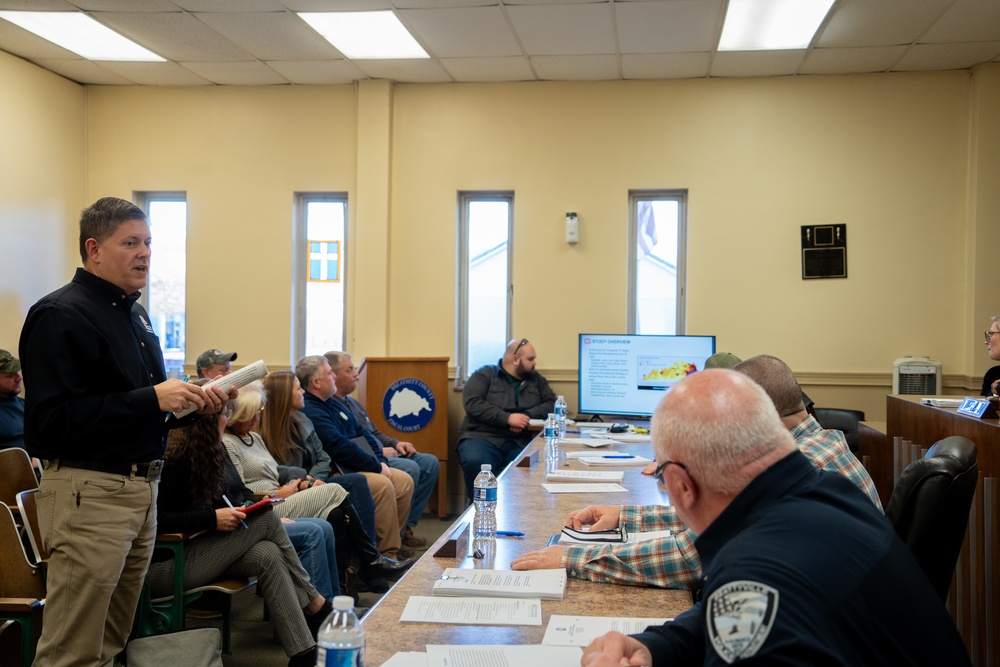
(916,376)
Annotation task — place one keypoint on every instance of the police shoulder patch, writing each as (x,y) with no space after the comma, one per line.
(739,617)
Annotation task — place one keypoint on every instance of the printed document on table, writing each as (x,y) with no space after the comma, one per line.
(490,655)
(586,442)
(407,659)
(585,476)
(584,488)
(631,437)
(581,630)
(529,584)
(473,611)
(604,460)
(586,452)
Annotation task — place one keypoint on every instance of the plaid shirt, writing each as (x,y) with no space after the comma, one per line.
(673,562)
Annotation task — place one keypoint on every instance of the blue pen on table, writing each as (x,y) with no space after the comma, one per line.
(509,533)
(233,508)
(618,456)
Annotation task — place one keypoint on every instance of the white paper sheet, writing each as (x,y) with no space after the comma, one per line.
(491,655)
(586,442)
(584,488)
(528,585)
(630,437)
(604,460)
(407,659)
(585,476)
(586,452)
(472,611)
(581,630)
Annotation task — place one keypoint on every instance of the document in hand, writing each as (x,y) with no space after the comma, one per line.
(542,584)
(238,379)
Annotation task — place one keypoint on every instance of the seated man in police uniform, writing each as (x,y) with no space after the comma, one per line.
(799,567)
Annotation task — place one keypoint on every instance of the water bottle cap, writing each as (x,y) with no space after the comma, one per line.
(487,466)
(343,603)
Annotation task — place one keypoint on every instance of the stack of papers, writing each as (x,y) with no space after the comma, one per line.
(585,476)
(583,487)
(614,460)
(588,442)
(942,402)
(542,584)
(631,437)
(472,611)
(586,452)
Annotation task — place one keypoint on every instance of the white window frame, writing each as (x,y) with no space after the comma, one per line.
(465,198)
(300,266)
(634,198)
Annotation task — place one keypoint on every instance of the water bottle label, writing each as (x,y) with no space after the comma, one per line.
(339,657)
(489,495)
(550,431)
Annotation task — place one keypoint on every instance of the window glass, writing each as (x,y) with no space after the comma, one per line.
(657,266)
(324,312)
(484,281)
(166,291)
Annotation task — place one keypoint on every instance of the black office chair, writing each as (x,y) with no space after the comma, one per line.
(929,508)
(841,420)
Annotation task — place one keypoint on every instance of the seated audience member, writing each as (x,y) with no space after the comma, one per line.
(190,500)
(673,562)
(423,468)
(499,402)
(721,360)
(213,363)
(993,347)
(316,545)
(11,405)
(800,568)
(303,498)
(336,428)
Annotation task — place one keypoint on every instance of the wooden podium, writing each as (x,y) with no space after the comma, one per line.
(911,429)
(426,379)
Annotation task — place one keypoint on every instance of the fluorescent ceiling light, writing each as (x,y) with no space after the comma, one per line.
(82,35)
(365,35)
(753,25)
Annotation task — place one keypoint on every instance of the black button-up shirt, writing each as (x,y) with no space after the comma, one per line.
(90,360)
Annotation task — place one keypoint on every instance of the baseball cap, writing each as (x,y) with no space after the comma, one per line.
(722,360)
(8,363)
(213,357)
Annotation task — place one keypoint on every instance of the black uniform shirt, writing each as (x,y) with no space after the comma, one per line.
(90,360)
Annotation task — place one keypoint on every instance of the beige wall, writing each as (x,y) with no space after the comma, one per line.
(910,162)
(42,179)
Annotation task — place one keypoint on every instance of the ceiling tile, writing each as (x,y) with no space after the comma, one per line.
(557,30)
(460,33)
(756,63)
(665,65)
(317,72)
(880,23)
(578,68)
(20,42)
(966,21)
(271,36)
(668,27)
(851,61)
(236,73)
(336,5)
(515,68)
(37,5)
(230,5)
(406,71)
(946,56)
(156,74)
(126,5)
(83,71)
(175,36)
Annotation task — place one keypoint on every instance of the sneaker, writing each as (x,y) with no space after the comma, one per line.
(413,541)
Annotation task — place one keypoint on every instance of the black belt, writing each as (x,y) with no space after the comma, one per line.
(151,470)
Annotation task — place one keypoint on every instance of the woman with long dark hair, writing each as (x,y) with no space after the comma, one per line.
(191,499)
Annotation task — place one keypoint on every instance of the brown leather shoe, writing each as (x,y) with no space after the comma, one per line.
(413,541)
(405,552)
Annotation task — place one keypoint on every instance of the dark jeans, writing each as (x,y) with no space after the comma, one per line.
(356,485)
(473,453)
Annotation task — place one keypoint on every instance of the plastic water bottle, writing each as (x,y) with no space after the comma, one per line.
(485,499)
(341,638)
(561,410)
(551,433)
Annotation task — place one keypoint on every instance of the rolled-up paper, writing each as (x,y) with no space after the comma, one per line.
(238,379)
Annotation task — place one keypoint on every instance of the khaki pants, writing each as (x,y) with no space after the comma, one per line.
(392,496)
(99,529)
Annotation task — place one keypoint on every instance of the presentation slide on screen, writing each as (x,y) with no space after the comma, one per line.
(628,375)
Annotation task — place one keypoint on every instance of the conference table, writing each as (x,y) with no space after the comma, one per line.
(522,505)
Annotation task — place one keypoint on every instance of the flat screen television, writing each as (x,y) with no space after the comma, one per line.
(627,375)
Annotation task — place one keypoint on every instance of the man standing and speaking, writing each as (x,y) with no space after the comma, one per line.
(97,410)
